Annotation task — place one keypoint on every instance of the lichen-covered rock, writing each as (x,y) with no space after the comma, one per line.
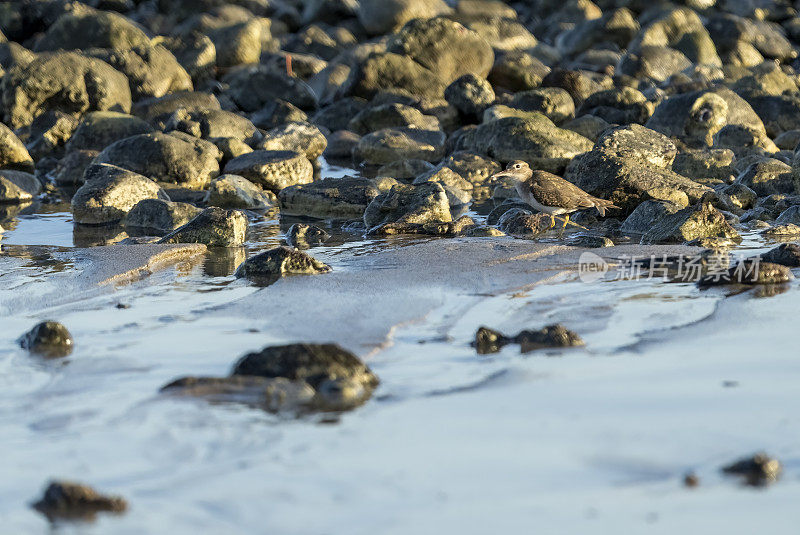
(535,140)
(71,501)
(630,164)
(164,158)
(304,138)
(157,111)
(13,154)
(234,191)
(392,144)
(472,167)
(522,223)
(92,29)
(49,339)
(393,115)
(99,129)
(156,217)
(381,71)
(691,223)
(109,192)
(445,47)
(272,170)
(336,198)
(269,266)
(470,95)
(618,106)
(64,81)
(213,123)
(252,88)
(517,71)
(786,254)
(18,187)
(214,227)
(385,16)
(705,165)
(655,62)
(423,203)
(552,102)
(303,236)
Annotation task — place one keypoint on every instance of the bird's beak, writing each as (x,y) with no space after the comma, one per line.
(498,176)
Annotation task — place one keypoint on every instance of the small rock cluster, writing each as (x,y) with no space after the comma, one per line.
(488,341)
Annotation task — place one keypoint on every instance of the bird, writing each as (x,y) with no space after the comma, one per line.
(549,193)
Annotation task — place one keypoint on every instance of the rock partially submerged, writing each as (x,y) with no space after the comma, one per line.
(269,266)
(156,217)
(303,236)
(757,471)
(49,339)
(18,187)
(109,193)
(234,191)
(423,203)
(75,501)
(214,227)
(337,198)
(489,341)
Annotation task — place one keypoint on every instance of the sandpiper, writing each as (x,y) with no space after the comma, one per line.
(549,193)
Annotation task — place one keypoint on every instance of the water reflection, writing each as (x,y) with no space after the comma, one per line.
(223,261)
(89,236)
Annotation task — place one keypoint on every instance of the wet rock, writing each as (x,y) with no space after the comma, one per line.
(304,138)
(70,500)
(269,266)
(535,140)
(391,115)
(233,191)
(445,47)
(522,223)
(470,95)
(214,227)
(157,111)
(784,231)
(58,81)
(392,144)
(18,187)
(212,123)
(630,164)
(489,341)
(164,158)
(272,395)
(92,29)
(750,272)
(757,471)
(109,192)
(152,71)
(767,177)
(272,170)
(337,198)
(156,217)
(252,88)
(303,236)
(385,16)
(463,226)
(416,204)
(99,129)
(13,154)
(786,254)
(49,339)
(691,223)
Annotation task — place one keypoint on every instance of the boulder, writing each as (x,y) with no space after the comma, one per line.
(211,124)
(303,236)
(214,227)
(269,266)
(13,154)
(304,138)
(156,217)
(335,198)
(423,203)
(691,223)
(80,30)
(392,144)
(49,339)
(109,192)
(99,129)
(272,170)
(385,16)
(234,191)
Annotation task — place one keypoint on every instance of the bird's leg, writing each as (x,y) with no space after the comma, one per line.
(552,221)
(566,220)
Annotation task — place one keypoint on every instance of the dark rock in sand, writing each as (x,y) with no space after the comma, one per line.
(786,254)
(156,217)
(272,170)
(758,470)
(691,223)
(463,226)
(76,501)
(750,271)
(303,236)
(214,227)
(423,203)
(58,81)
(233,191)
(49,339)
(489,341)
(109,192)
(337,198)
(269,266)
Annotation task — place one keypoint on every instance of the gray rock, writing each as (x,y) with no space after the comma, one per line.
(157,111)
(705,164)
(50,339)
(71,168)
(386,16)
(13,154)
(211,123)
(472,167)
(99,129)
(165,158)
(57,81)
(233,191)
(392,115)
(589,126)
(789,216)
(214,227)
(337,116)
(644,215)
(517,71)
(156,217)
(786,254)
(303,236)
(655,62)
(92,29)
(418,204)
(341,144)
(470,95)
(618,106)
(269,266)
(691,223)
(304,138)
(392,144)
(237,44)
(195,52)
(522,223)
(252,88)
(553,102)
(618,27)
(405,169)
(277,113)
(272,170)
(381,71)
(329,198)
(109,192)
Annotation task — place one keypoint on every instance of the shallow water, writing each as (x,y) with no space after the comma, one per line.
(673,379)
